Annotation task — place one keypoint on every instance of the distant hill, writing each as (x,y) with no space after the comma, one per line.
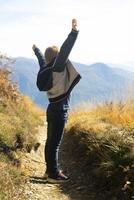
(99,82)
(127,66)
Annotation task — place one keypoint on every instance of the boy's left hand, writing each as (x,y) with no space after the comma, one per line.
(34,47)
(74,24)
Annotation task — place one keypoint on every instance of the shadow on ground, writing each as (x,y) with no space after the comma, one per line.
(37,180)
(80,185)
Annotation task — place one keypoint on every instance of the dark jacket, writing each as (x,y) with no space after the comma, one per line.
(58,77)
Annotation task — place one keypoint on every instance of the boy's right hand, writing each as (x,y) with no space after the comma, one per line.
(34,47)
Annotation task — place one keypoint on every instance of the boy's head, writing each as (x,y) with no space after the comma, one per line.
(50,53)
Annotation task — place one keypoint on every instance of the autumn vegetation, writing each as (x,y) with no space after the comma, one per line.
(101,138)
(19,121)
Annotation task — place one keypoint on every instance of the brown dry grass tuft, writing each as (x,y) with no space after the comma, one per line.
(120,114)
(10,181)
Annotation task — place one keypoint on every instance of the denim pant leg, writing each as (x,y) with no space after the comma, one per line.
(55,132)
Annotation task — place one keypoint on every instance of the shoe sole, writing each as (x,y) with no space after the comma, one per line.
(54,181)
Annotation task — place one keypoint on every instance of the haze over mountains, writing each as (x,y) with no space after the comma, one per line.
(99,82)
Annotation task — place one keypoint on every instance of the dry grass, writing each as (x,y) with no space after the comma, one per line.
(120,114)
(19,121)
(104,138)
(10,181)
(19,117)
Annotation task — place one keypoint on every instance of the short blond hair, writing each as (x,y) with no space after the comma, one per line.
(50,53)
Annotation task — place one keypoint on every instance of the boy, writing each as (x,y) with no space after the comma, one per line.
(58,77)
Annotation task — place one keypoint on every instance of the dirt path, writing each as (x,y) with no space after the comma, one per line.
(35,166)
(77,187)
(81,185)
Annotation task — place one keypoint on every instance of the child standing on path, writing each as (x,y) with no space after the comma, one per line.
(58,77)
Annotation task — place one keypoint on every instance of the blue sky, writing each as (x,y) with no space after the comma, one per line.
(106,28)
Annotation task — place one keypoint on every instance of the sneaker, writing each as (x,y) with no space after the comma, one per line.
(45,176)
(58,178)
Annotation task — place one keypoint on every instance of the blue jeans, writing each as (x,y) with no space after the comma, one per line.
(56,120)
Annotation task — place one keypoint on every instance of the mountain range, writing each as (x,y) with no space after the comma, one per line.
(100,82)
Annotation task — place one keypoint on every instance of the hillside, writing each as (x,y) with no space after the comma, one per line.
(99,82)
(100,153)
(19,121)
(96,153)
(126,66)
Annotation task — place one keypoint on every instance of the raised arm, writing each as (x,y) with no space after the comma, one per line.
(66,48)
(39,55)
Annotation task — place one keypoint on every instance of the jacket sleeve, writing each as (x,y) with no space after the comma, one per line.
(40,57)
(65,51)
(44,76)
